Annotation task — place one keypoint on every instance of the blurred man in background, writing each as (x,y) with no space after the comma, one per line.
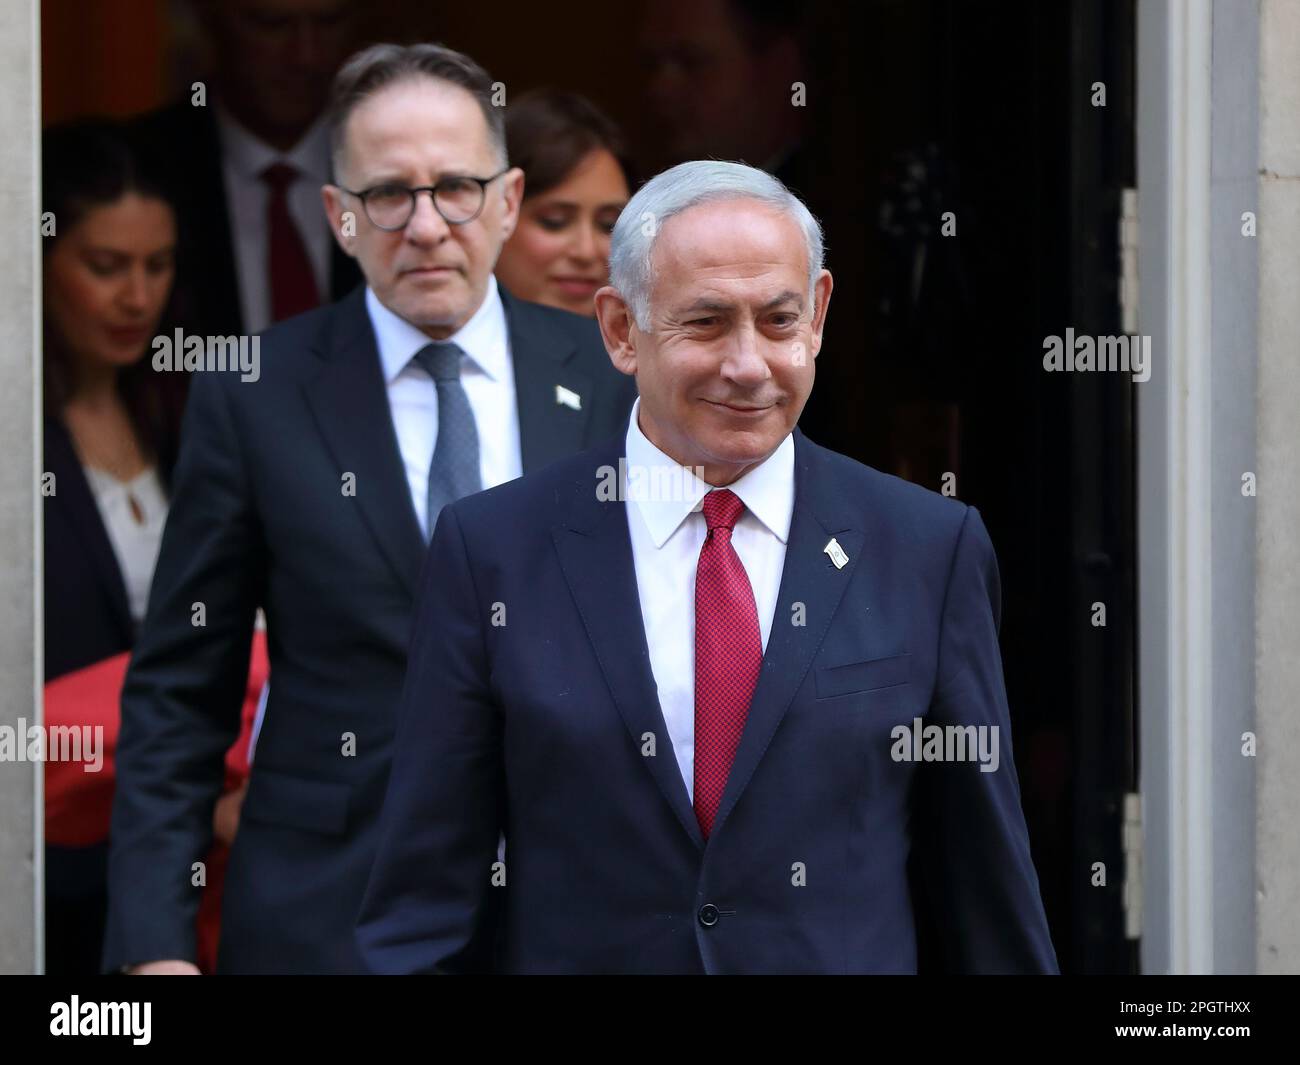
(244,154)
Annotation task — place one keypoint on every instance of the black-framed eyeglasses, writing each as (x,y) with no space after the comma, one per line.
(459,199)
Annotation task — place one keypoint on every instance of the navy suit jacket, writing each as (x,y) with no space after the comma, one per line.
(262,515)
(530,708)
(87,616)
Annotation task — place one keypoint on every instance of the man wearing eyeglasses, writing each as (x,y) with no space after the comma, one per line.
(311,493)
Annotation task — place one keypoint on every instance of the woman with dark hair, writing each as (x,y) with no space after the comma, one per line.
(110,441)
(577,178)
(111,422)
(112,425)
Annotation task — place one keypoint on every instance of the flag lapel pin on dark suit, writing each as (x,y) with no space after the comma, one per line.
(836,553)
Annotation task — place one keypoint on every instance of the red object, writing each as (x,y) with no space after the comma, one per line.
(293,286)
(728,654)
(78,804)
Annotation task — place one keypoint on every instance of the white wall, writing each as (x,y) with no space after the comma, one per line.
(19,355)
(1277,629)
(1218,135)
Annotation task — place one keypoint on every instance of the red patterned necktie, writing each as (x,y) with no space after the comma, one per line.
(293,286)
(728,654)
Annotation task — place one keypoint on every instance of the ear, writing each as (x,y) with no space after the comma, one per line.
(512,191)
(822,294)
(337,215)
(615,320)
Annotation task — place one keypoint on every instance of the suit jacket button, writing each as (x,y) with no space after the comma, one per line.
(708,915)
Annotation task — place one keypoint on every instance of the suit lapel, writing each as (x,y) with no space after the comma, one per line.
(549,426)
(73,491)
(811,578)
(350,403)
(595,554)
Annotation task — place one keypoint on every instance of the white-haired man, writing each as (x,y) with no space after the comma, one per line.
(735,701)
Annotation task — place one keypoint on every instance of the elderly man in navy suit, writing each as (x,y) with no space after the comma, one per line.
(734,701)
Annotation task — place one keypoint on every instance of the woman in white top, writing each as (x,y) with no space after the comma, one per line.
(111,428)
(109,267)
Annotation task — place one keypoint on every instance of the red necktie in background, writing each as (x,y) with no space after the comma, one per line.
(728,654)
(293,286)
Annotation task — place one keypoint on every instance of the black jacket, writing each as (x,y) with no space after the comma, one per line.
(87,617)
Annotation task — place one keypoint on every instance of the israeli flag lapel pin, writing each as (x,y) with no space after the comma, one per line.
(567,398)
(836,552)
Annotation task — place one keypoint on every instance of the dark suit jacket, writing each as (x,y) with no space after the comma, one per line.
(182,147)
(87,619)
(261,517)
(539,727)
(87,616)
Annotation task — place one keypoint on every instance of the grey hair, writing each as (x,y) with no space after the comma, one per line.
(380,65)
(678,189)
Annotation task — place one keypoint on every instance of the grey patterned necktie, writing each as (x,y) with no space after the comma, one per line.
(455,469)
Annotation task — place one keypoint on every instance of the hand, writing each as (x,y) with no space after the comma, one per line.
(225,815)
(165,968)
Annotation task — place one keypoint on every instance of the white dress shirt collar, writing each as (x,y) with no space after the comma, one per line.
(249,156)
(767,490)
(484,338)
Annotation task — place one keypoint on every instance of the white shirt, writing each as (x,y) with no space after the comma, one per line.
(667,535)
(487,375)
(243,159)
(135,544)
